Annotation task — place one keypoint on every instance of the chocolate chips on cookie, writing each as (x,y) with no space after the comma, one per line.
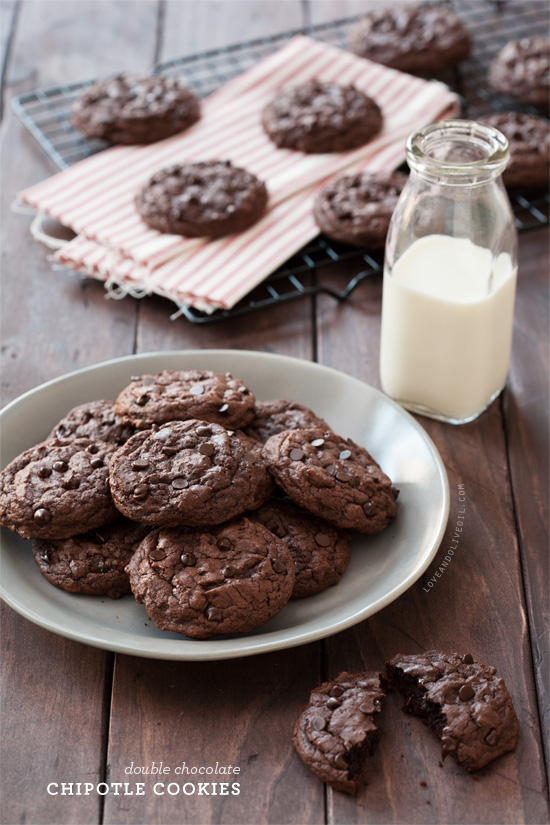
(96,420)
(202,199)
(321,117)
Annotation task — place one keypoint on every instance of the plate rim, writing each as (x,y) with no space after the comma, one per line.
(245,645)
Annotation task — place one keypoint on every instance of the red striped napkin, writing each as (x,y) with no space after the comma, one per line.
(95,198)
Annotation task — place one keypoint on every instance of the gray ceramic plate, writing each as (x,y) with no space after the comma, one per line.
(381,569)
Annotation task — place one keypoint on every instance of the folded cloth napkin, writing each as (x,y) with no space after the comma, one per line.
(95,197)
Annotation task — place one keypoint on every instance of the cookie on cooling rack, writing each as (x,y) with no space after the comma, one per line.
(522,70)
(134,109)
(529,140)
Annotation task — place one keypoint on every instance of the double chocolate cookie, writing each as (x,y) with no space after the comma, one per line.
(336,731)
(318,117)
(333,478)
(179,396)
(522,70)
(227,579)
(96,420)
(462,701)
(207,199)
(320,553)
(422,39)
(188,474)
(357,209)
(57,489)
(93,563)
(134,109)
(529,140)
(273,417)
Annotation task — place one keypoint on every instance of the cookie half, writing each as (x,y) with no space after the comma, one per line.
(203,199)
(92,563)
(336,732)
(321,553)
(188,474)
(58,489)
(422,39)
(462,701)
(179,396)
(357,209)
(318,117)
(134,109)
(333,478)
(227,579)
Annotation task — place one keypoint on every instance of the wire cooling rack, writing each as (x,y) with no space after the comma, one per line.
(491,24)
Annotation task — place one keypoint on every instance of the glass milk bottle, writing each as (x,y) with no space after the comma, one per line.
(450,275)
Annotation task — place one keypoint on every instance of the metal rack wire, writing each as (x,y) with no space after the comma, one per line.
(491,23)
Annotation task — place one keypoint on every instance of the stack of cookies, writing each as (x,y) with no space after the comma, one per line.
(211,508)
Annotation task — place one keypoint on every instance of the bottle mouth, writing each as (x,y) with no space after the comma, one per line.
(457,149)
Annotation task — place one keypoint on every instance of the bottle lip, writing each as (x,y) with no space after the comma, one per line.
(489,143)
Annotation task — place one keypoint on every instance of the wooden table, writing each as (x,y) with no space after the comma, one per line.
(81,714)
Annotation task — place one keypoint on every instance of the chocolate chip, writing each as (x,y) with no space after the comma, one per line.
(96,463)
(340,761)
(318,723)
(169,451)
(204,431)
(70,482)
(42,516)
(296,454)
(369,508)
(180,483)
(92,448)
(229,571)
(341,476)
(318,442)
(466,692)
(196,390)
(336,691)
(278,566)
(44,472)
(188,559)
(492,737)
(142,400)
(468,659)
(224,408)
(141,491)
(213,614)
(322,540)
(140,464)
(207,448)
(60,466)
(344,454)
(333,702)
(367,706)
(157,555)
(224,543)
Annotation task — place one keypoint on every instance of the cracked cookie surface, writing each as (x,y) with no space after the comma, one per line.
(96,420)
(227,579)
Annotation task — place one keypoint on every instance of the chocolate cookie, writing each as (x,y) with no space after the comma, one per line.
(96,420)
(179,396)
(188,474)
(57,489)
(320,553)
(357,209)
(92,563)
(321,117)
(336,731)
(522,70)
(227,579)
(208,199)
(422,39)
(462,701)
(273,417)
(135,109)
(333,478)
(529,140)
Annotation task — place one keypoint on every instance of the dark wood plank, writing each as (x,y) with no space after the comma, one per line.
(55,692)
(526,423)
(477,605)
